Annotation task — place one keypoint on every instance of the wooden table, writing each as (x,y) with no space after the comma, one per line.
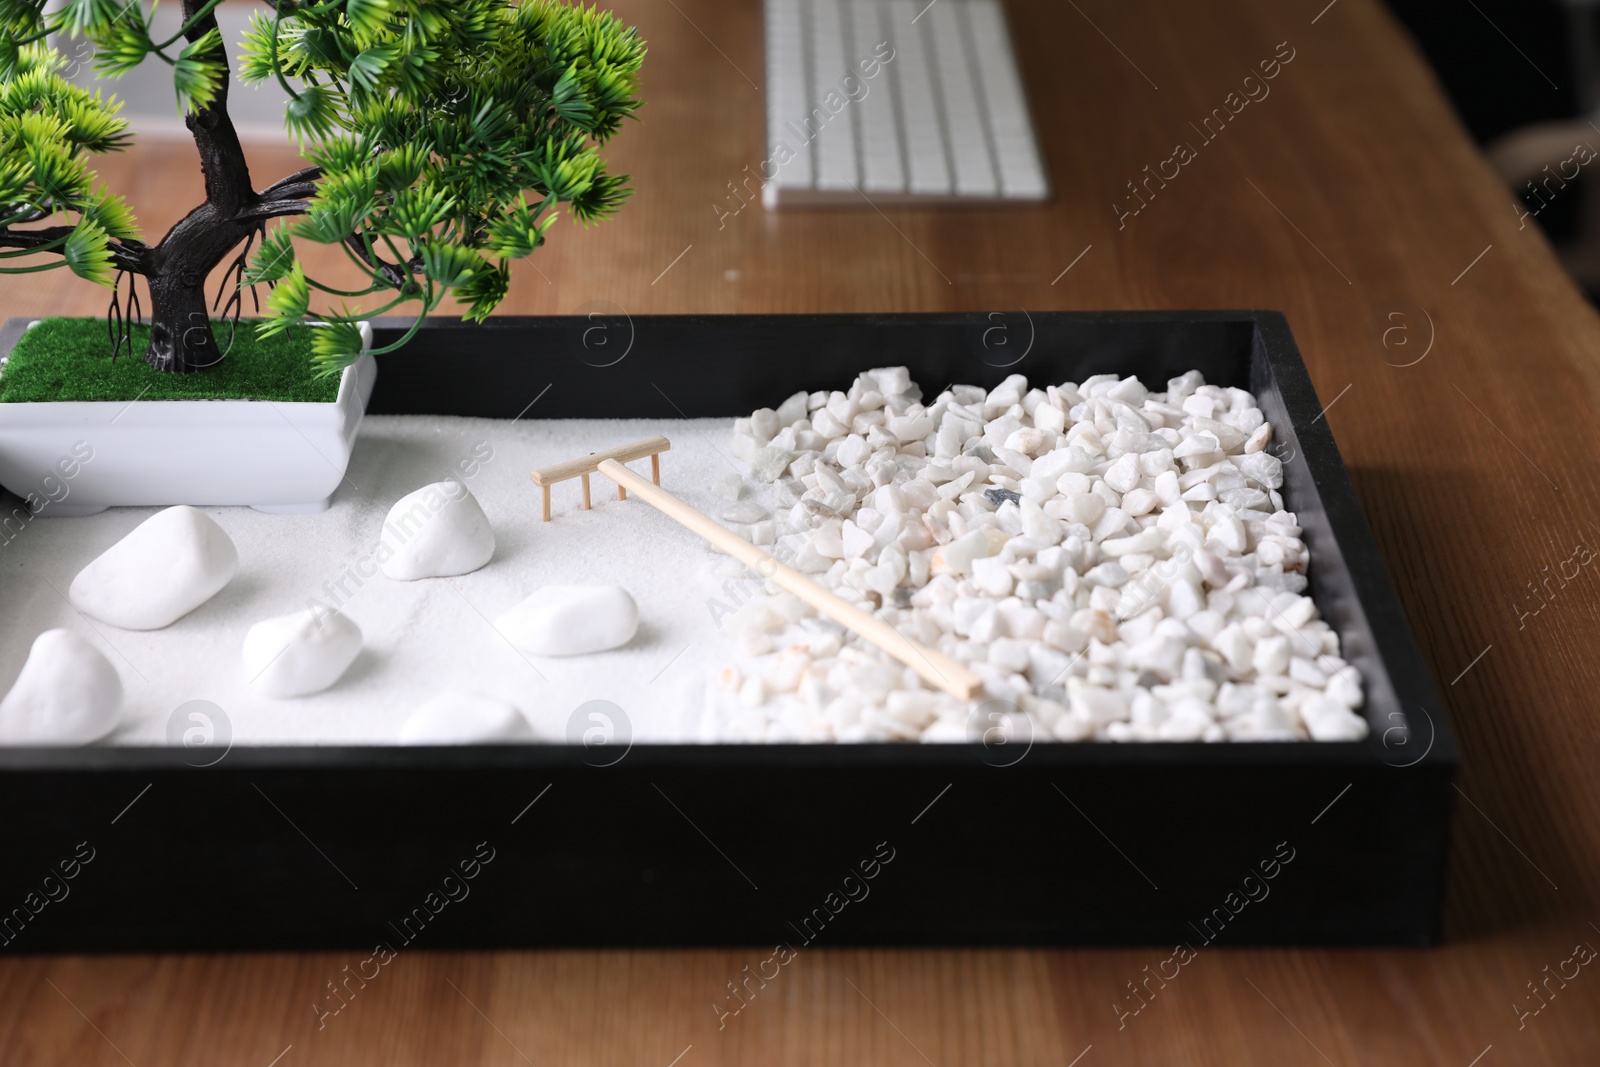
(1461,370)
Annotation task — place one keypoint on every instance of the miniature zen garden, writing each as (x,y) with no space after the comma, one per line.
(1051,561)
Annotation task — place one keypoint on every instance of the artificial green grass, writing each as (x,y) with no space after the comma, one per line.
(70,359)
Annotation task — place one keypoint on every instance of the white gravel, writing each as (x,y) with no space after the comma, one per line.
(1117,564)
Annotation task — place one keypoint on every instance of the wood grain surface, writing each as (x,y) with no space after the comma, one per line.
(1461,370)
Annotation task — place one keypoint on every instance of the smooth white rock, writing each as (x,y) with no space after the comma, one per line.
(571,620)
(464,719)
(166,567)
(436,532)
(299,654)
(66,694)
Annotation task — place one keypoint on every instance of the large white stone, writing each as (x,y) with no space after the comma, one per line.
(67,694)
(169,565)
(570,620)
(300,654)
(464,719)
(436,532)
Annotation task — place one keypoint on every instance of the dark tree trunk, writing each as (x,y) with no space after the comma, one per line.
(176,269)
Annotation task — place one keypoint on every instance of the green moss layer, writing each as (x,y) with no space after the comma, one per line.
(70,359)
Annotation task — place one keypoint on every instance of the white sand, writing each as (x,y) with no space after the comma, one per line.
(423,637)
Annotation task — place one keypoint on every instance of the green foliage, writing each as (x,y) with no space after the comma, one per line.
(198,71)
(447,136)
(111,214)
(86,253)
(273,260)
(332,343)
(518,231)
(433,123)
(47,128)
(484,290)
(314,113)
(288,303)
(123,44)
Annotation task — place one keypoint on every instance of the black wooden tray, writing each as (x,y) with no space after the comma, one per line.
(276,848)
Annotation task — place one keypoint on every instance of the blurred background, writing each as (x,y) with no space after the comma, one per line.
(1523,75)
(1530,106)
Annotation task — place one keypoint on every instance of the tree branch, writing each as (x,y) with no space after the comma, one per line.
(291,191)
(392,274)
(127,256)
(309,174)
(32,238)
(271,209)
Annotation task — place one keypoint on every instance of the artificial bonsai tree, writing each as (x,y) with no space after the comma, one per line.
(427,126)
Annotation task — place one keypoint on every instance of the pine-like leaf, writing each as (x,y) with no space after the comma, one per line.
(417,211)
(273,260)
(198,71)
(367,17)
(450,265)
(88,253)
(256,62)
(400,168)
(111,214)
(313,113)
(79,17)
(519,231)
(334,346)
(123,43)
(484,291)
(287,304)
(605,194)
(367,68)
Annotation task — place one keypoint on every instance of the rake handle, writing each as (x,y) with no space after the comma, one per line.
(934,667)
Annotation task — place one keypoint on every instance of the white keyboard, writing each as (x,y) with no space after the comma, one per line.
(895,101)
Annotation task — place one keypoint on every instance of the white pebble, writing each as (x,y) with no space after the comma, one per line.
(1327,720)
(299,654)
(571,620)
(464,719)
(437,531)
(959,554)
(1123,474)
(992,576)
(745,511)
(166,567)
(67,693)
(1271,655)
(768,464)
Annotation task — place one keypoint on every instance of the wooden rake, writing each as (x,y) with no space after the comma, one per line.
(932,666)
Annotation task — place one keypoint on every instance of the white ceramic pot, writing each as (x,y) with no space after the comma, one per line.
(79,457)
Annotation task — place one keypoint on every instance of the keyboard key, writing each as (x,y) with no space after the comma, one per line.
(786,100)
(927,162)
(963,113)
(833,130)
(881,167)
(1021,173)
